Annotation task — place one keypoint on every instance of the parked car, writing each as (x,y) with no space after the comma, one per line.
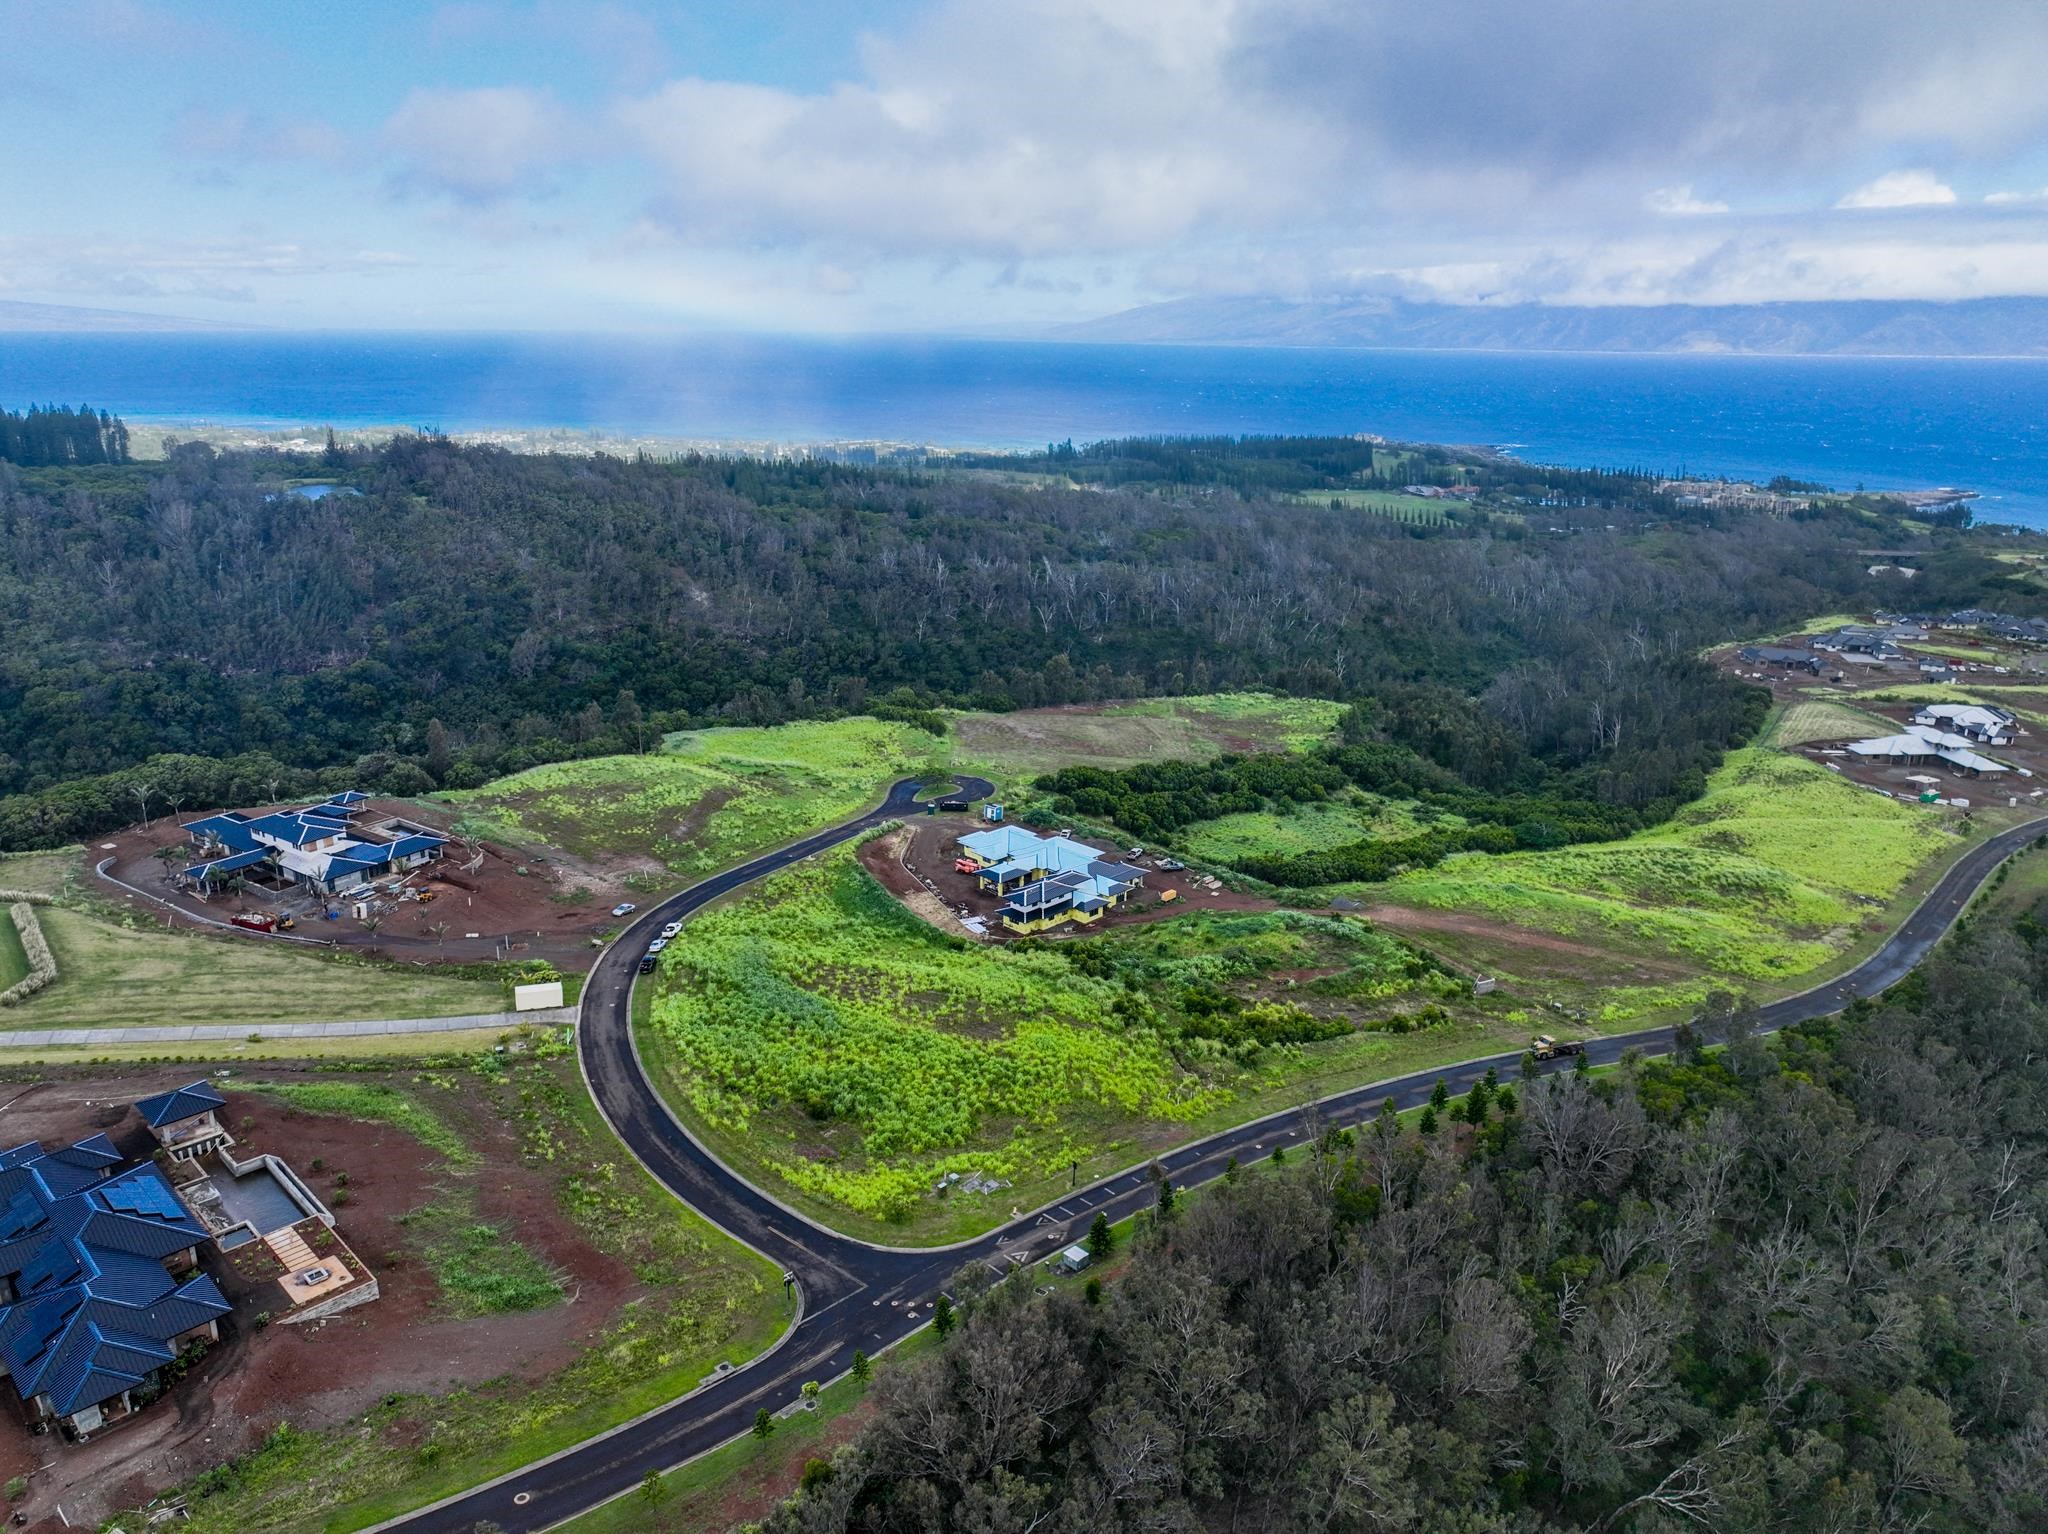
(1172,865)
(647,965)
(624,908)
(671,929)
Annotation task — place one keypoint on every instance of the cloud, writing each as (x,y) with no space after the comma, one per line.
(2003,199)
(246,137)
(480,145)
(1678,201)
(1901,189)
(220,270)
(1067,127)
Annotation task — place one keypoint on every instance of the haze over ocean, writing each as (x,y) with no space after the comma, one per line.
(1880,422)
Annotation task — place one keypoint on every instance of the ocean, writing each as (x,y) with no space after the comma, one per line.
(1882,423)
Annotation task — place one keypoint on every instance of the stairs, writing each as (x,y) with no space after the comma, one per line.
(292,1250)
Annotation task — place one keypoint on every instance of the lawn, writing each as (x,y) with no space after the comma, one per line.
(709,798)
(843,1052)
(13,960)
(1776,870)
(1418,510)
(130,973)
(704,1300)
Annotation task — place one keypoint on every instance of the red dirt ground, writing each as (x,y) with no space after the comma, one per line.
(322,1373)
(523,910)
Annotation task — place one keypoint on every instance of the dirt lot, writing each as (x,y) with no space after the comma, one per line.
(323,1373)
(915,864)
(550,911)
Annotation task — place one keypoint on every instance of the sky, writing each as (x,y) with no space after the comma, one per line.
(968,166)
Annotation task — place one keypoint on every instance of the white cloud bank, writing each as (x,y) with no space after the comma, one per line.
(1901,189)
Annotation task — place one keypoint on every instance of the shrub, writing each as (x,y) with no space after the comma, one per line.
(42,965)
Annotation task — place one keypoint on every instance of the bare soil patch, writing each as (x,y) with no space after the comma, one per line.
(518,902)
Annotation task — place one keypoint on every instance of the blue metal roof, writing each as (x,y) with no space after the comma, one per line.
(96,1311)
(178,1104)
(227,865)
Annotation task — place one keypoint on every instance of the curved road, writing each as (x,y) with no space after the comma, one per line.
(858,1296)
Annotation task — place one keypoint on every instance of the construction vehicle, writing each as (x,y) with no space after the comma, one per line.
(1544,1047)
(286,923)
(251,921)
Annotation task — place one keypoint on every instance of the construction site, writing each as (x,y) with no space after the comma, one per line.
(397,877)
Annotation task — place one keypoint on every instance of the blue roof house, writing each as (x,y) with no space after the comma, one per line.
(319,847)
(186,1121)
(100,1290)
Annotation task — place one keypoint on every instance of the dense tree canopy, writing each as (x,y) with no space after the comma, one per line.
(540,607)
(1787,1286)
(57,434)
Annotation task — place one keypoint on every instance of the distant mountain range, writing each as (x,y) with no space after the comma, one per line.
(1980,327)
(62,317)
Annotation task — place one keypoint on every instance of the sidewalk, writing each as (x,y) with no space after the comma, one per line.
(30,1038)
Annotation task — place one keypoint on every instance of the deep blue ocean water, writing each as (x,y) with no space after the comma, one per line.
(1882,423)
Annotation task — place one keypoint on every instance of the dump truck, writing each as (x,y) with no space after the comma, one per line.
(250,921)
(1544,1047)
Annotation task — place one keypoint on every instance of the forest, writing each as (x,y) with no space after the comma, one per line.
(57,434)
(461,612)
(1788,1284)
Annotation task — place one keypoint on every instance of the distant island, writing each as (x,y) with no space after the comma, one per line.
(1981,327)
(64,317)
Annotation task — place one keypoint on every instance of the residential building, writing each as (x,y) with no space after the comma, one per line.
(1046,880)
(1920,745)
(99,1288)
(186,1121)
(1980,723)
(321,848)
(1780,656)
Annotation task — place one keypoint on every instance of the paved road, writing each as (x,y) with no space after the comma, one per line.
(855,1295)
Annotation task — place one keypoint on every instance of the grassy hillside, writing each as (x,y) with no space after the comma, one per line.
(848,1055)
(712,797)
(1823,719)
(1775,871)
(708,797)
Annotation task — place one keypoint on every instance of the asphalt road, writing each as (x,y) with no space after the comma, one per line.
(858,1296)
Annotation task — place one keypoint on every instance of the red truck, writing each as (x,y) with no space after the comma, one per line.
(251,921)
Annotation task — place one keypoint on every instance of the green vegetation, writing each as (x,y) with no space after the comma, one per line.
(480,1270)
(13,961)
(1028,742)
(832,1042)
(1584,1298)
(373,1102)
(709,797)
(118,970)
(1822,719)
(1416,510)
(704,1300)
(1769,875)
(1298,827)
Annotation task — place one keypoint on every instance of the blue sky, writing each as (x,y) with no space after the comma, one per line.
(962,166)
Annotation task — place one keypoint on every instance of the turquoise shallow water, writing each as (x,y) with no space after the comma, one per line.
(1883,423)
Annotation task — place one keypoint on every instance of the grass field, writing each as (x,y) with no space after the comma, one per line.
(116,968)
(1020,746)
(706,1299)
(2027,699)
(1300,828)
(709,797)
(840,1050)
(13,960)
(1417,510)
(1780,867)
(1822,719)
